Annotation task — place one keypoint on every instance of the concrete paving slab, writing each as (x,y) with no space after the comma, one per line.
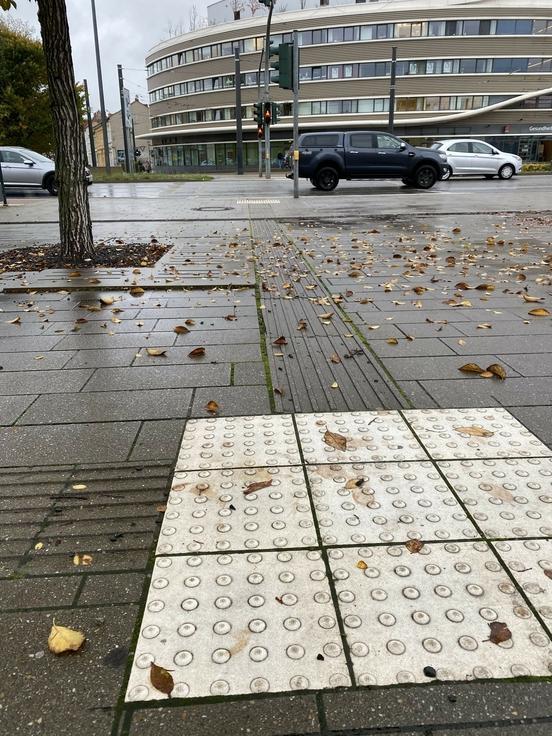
(41,445)
(385,502)
(24,362)
(422,347)
(295,714)
(116,588)
(106,358)
(211,511)
(434,608)
(158,377)
(488,433)
(444,367)
(538,419)
(256,646)
(11,408)
(38,592)
(158,440)
(109,406)
(506,498)
(47,382)
(231,400)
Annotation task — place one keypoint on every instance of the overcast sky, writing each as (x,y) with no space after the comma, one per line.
(127,29)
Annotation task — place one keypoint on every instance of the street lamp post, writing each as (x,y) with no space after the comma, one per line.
(100,85)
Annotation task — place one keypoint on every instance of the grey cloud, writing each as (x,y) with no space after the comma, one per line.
(127,30)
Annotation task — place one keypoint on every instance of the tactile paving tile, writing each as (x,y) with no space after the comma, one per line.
(238,442)
(208,511)
(385,502)
(230,624)
(530,562)
(506,498)
(371,436)
(408,611)
(438,430)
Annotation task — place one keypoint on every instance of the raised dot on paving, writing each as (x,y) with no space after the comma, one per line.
(451,434)
(210,510)
(530,563)
(385,502)
(368,436)
(238,442)
(235,624)
(506,498)
(403,612)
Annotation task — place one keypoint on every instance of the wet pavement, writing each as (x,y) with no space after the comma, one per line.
(303,315)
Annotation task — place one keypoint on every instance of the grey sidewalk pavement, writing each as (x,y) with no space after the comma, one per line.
(82,403)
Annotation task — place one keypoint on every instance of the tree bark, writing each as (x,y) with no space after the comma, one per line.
(75,224)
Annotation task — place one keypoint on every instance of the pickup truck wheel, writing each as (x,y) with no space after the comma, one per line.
(447,173)
(425,176)
(326,179)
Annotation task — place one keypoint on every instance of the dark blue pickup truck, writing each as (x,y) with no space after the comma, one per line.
(325,158)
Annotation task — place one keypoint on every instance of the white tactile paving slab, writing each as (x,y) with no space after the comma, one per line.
(408,611)
(385,502)
(208,511)
(439,431)
(530,562)
(371,436)
(238,442)
(506,498)
(233,624)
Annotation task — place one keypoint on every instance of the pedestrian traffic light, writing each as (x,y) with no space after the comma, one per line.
(267,116)
(275,113)
(258,113)
(281,60)
(260,131)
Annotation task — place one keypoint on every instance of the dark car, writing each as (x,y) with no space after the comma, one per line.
(325,158)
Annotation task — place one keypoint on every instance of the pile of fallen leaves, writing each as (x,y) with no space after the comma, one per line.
(113,253)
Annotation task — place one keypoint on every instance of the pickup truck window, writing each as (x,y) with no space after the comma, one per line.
(386,141)
(320,141)
(362,140)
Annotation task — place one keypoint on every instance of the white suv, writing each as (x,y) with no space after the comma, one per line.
(466,156)
(23,168)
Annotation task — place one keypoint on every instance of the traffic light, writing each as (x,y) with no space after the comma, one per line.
(260,131)
(258,113)
(267,115)
(275,113)
(281,60)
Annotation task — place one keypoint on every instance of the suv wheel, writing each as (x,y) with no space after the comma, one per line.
(326,179)
(408,182)
(506,171)
(447,173)
(425,176)
(51,185)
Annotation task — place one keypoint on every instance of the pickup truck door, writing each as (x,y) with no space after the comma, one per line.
(394,160)
(361,156)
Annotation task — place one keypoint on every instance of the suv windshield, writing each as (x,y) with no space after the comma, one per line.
(435,146)
(34,155)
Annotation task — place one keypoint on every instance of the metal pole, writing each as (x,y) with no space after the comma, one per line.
(295,115)
(239,129)
(259,98)
(90,129)
(391,125)
(100,86)
(266,89)
(123,117)
(2,187)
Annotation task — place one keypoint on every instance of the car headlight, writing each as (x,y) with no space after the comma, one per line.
(443,156)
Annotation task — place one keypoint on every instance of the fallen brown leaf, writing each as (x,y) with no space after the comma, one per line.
(180,330)
(362,565)
(335,440)
(497,370)
(137,291)
(156,352)
(258,486)
(84,560)
(474,431)
(280,341)
(107,300)
(392,341)
(413,545)
(212,407)
(196,353)
(334,358)
(471,368)
(499,632)
(161,679)
(531,299)
(302,324)
(15,321)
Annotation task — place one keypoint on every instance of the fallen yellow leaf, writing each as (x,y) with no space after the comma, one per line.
(62,639)
(539,312)
(474,431)
(155,352)
(362,565)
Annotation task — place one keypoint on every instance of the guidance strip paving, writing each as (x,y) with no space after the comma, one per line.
(311,552)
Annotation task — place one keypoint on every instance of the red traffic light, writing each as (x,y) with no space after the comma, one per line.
(260,131)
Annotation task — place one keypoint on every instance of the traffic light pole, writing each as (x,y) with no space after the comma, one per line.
(295,115)
(392,84)
(123,117)
(266,89)
(239,129)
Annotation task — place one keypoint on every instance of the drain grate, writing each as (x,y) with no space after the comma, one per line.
(258,201)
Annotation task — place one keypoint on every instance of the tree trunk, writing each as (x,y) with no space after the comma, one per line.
(74,211)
